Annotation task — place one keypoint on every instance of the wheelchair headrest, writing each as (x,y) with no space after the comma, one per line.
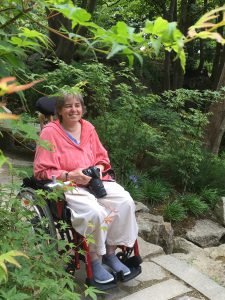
(46,105)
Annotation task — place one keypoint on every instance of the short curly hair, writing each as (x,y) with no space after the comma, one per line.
(61,100)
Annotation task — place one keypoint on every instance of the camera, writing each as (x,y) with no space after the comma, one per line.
(95,186)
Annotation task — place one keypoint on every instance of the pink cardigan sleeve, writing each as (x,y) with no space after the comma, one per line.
(46,163)
(101,155)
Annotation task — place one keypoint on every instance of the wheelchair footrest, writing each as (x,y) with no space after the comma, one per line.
(133,261)
(135,271)
(101,286)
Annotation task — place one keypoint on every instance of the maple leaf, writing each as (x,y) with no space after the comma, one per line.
(8,116)
(8,88)
(108,219)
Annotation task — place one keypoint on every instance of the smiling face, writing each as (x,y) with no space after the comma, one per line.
(72,111)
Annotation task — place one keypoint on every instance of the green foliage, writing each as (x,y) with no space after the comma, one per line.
(211,174)
(134,125)
(16,42)
(22,172)
(194,205)
(92,292)
(3,159)
(38,277)
(134,189)
(95,79)
(26,39)
(120,38)
(25,133)
(181,121)
(174,211)
(8,258)
(155,191)
(210,196)
(125,136)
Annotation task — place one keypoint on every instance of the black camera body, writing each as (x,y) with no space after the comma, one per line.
(95,186)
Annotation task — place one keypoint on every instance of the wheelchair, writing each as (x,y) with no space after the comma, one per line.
(57,212)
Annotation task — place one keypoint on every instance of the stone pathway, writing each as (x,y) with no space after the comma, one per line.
(163,276)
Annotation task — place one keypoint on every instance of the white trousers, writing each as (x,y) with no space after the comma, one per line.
(109,220)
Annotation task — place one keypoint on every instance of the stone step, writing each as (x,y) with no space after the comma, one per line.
(164,290)
(191,276)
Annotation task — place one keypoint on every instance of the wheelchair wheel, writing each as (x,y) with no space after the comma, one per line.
(41,217)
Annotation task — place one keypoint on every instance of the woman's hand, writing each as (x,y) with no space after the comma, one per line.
(78,177)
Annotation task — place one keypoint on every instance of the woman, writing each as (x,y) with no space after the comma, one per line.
(77,147)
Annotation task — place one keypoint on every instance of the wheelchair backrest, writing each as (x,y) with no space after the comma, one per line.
(46,108)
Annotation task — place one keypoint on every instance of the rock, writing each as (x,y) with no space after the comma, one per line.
(219,210)
(188,298)
(206,233)
(148,250)
(206,265)
(154,230)
(151,271)
(140,207)
(217,253)
(182,245)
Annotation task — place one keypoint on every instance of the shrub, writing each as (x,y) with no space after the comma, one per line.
(96,79)
(43,275)
(210,196)
(134,190)
(23,172)
(38,277)
(155,191)
(194,205)
(180,119)
(211,174)
(126,137)
(174,211)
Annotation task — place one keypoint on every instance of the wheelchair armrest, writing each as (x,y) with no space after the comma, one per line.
(35,184)
(111,173)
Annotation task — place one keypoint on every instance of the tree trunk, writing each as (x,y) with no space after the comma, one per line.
(218,60)
(89,5)
(183,24)
(216,63)
(202,57)
(221,82)
(201,49)
(216,127)
(63,48)
(167,71)
(167,61)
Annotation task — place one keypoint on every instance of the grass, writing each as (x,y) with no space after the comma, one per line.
(194,205)
(174,211)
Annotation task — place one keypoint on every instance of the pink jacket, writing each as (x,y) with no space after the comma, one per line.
(68,156)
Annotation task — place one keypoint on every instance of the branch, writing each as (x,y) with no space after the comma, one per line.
(62,35)
(7,8)
(51,29)
(109,5)
(52,16)
(16,17)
